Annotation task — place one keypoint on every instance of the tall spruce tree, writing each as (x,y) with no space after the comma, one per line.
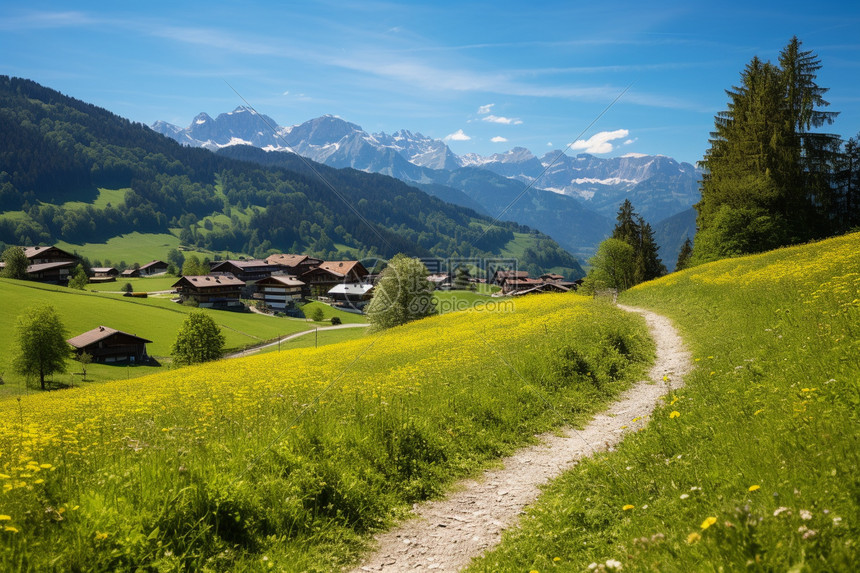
(684,255)
(633,230)
(767,179)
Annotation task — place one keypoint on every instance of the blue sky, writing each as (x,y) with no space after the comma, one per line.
(488,76)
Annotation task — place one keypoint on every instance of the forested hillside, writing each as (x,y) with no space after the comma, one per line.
(57,152)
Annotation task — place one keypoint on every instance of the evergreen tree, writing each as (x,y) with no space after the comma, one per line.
(847,185)
(685,255)
(767,179)
(461,278)
(633,230)
(42,347)
(16,264)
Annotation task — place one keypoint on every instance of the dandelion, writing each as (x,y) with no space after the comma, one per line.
(10,529)
(100,536)
(674,414)
(757,412)
(628,506)
(709,521)
(556,559)
(754,488)
(693,537)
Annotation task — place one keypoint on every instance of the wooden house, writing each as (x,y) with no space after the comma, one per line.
(211,291)
(354,295)
(295,265)
(248,271)
(153,268)
(130,273)
(501,276)
(441,281)
(330,273)
(49,264)
(551,278)
(279,292)
(104,274)
(107,345)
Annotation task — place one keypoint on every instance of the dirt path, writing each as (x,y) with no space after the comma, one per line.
(445,535)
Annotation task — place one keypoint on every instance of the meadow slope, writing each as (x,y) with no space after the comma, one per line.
(291,460)
(754,464)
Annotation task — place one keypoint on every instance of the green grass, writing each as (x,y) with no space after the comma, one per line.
(765,440)
(292,460)
(114,197)
(145,284)
(320,338)
(135,248)
(157,319)
(329,312)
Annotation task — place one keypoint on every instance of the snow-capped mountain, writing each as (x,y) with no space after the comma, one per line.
(658,186)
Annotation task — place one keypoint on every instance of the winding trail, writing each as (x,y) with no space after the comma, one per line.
(445,535)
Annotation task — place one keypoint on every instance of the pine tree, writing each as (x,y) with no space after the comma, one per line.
(685,255)
(633,230)
(767,178)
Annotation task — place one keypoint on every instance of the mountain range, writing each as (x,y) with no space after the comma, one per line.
(573,199)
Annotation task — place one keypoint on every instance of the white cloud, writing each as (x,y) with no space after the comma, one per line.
(498,139)
(457,136)
(485,109)
(629,141)
(599,142)
(502,120)
(549,143)
(636,155)
(286,93)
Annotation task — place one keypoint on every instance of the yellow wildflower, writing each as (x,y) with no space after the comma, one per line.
(100,536)
(10,529)
(5,518)
(754,488)
(674,414)
(628,506)
(708,522)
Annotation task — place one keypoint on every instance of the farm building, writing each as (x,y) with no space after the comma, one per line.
(211,291)
(279,292)
(354,295)
(331,273)
(49,264)
(441,281)
(295,265)
(107,345)
(130,273)
(104,274)
(252,270)
(153,268)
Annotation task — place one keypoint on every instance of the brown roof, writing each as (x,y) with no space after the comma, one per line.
(511,274)
(97,334)
(286,260)
(243,264)
(552,276)
(203,281)
(34,252)
(284,280)
(523,282)
(343,268)
(104,269)
(48,266)
(153,264)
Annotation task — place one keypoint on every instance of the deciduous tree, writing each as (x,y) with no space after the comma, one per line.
(16,264)
(402,294)
(199,340)
(42,347)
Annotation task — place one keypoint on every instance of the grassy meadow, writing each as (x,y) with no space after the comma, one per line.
(290,460)
(155,318)
(754,465)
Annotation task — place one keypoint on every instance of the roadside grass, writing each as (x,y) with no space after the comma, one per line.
(291,460)
(755,464)
(329,312)
(157,319)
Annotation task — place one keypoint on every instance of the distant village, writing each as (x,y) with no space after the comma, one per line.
(277,282)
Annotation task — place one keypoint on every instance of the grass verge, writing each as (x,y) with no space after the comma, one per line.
(754,464)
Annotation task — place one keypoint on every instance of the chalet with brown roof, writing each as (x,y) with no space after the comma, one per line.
(130,273)
(248,271)
(104,274)
(551,277)
(511,285)
(330,273)
(211,291)
(500,276)
(295,265)
(107,345)
(49,264)
(153,268)
(279,292)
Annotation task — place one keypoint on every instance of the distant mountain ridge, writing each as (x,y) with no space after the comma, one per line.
(658,186)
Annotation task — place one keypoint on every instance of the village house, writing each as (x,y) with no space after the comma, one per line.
(295,265)
(330,273)
(501,276)
(153,268)
(248,271)
(211,291)
(130,273)
(104,274)
(49,264)
(279,292)
(351,295)
(107,345)
(441,281)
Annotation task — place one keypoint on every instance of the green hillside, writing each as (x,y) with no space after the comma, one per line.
(754,464)
(76,173)
(156,319)
(292,459)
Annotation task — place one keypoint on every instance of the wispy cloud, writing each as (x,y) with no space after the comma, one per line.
(457,136)
(599,142)
(46,20)
(499,139)
(502,120)
(485,109)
